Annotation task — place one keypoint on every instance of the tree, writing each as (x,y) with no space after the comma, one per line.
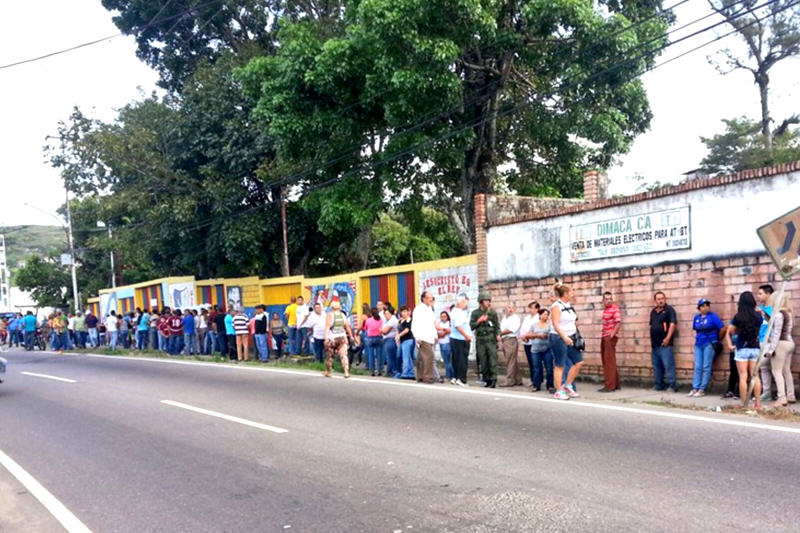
(45,279)
(771,32)
(743,146)
(423,101)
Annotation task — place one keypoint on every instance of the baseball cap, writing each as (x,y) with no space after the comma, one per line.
(701,302)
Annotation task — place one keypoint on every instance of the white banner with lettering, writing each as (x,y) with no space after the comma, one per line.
(658,231)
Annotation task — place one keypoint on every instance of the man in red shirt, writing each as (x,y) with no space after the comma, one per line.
(612,318)
(175,332)
(162,324)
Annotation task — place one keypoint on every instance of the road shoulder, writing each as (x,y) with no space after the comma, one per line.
(20,511)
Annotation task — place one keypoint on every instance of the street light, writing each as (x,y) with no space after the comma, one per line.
(75,299)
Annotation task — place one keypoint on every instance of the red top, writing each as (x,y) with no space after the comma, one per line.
(162,324)
(611,317)
(175,325)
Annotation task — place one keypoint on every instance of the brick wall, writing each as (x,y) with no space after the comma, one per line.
(721,281)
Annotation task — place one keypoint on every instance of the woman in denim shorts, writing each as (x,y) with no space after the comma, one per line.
(564,319)
(746,325)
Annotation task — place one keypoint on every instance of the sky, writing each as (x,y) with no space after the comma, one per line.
(688,98)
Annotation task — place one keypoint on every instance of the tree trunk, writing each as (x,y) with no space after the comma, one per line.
(762,79)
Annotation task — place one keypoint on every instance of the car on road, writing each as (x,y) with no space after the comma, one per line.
(2,368)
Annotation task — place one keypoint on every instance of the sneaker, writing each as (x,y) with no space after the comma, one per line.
(461,383)
(551,390)
(728,395)
(605,390)
(672,389)
(453,381)
(766,396)
(480,383)
(535,389)
(699,394)
(561,395)
(692,393)
(570,390)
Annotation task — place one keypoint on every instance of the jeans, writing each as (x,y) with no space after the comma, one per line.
(126,338)
(113,336)
(209,342)
(190,342)
(304,344)
(319,349)
(163,342)
(394,364)
(65,341)
(703,357)
(375,354)
(141,339)
(407,351)
(448,364)
(175,344)
(81,338)
(293,331)
(262,345)
(542,363)
(93,338)
(29,335)
(664,363)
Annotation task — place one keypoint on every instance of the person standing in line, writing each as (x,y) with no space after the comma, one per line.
(80,330)
(509,329)
(278,331)
(405,339)
(746,325)
(290,315)
(73,337)
(361,332)
(91,328)
(663,322)
(765,367)
(484,322)
(189,333)
(562,342)
(124,330)
(707,325)
(460,339)
(163,330)
(337,332)
(612,319)
(526,334)
(153,331)
(219,322)
(29,330)
(394,361)
(241,328)
(230,334)
(374,345)
(303,330)
(112,330)
(261,333)
(202,329)
(423,329)
(780,349)
(443,332)
(175,324)
(317,321)
(142,330)
(541,354)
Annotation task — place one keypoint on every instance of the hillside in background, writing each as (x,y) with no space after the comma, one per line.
(22,241)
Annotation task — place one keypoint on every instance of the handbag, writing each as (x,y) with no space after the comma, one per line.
(577,341)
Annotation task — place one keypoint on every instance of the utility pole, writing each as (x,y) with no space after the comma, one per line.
(75,300)
(285,265)
(101,224)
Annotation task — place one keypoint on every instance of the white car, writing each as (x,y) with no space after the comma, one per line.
(3,363)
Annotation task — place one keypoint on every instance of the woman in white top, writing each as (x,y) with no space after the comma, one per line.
(562,342)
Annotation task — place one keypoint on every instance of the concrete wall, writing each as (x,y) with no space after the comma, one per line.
(723,223)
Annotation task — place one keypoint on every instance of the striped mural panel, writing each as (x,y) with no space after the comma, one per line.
(397,289)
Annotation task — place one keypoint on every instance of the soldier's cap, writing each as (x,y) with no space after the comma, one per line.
(484,296)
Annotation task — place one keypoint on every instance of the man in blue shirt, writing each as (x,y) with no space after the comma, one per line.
(765,368)
(14,330)
(189,333)
(142,329)
(29,326)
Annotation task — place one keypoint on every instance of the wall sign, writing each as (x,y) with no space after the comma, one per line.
(657,231)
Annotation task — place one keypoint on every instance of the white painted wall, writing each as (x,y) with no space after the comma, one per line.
(723,219)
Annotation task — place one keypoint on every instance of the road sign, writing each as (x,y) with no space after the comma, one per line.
(781,238)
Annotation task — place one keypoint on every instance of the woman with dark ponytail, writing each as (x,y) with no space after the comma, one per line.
(746,325)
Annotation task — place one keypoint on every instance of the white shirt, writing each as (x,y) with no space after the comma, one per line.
(71,324)
(423,324)
(445,339)
(527,326)
(510,323)
(302,312)
(317,324)
(111,323)
(568,318)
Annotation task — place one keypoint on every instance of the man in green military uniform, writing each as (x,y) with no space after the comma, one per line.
(486,327)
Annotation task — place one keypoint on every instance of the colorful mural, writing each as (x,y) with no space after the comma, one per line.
(181,295)
(343,291)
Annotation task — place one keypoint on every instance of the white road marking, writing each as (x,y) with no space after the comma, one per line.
(230,418)
(70,522)
(478,391)
(45,376)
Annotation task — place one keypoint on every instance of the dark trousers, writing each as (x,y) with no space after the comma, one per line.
(232,348)
(460,352)
(608,354)
(733,378)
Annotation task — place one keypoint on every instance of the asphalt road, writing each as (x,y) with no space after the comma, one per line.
(371,455)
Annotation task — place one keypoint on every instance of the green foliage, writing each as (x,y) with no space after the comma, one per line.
(23,241)
(431,97)
(45,279)
(742,147)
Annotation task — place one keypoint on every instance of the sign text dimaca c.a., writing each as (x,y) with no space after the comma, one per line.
(656,231)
